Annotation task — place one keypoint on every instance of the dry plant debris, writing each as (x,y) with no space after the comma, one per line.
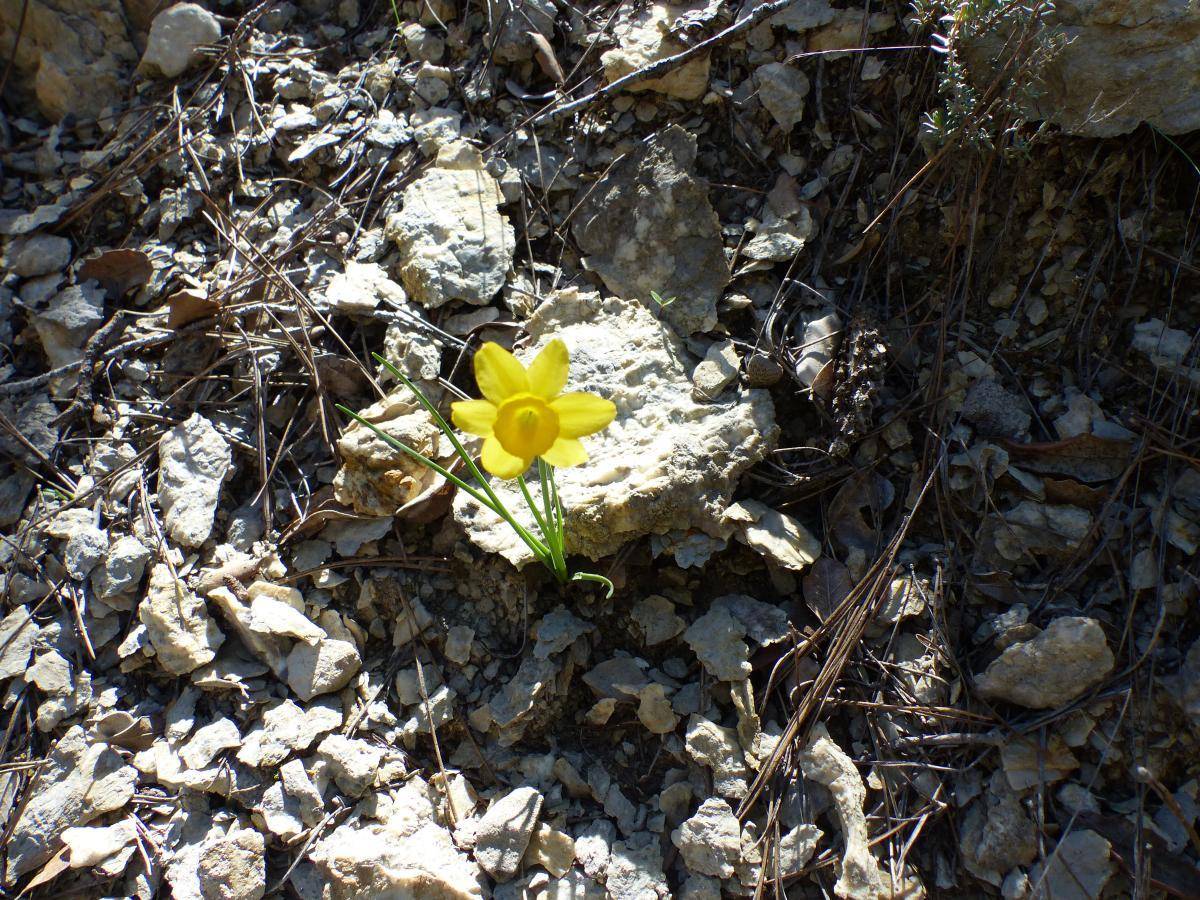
(902,502)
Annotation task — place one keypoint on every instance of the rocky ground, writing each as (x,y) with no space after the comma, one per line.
(902,503)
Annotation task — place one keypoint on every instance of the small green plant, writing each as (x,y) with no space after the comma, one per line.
(524,416)
(986,99)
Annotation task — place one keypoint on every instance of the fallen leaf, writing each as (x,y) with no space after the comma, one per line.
(118,271)
(189,305)
(826,586)
(546,58)
(1084,457)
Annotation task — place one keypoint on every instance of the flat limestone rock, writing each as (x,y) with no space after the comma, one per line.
(388,861)
(79,783)
(454,242)
(1068,658)
(711,840)
(503,832)
(1115,65)
(176,35)
(193,461)
(667,462)
(178,625)
(647,225)
(644,38)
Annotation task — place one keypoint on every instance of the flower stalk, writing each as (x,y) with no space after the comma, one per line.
(523,417)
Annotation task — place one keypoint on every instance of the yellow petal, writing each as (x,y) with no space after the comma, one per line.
(498,373)
(581,413)
(548,371)
(474,416)
(500,462)
(566,452)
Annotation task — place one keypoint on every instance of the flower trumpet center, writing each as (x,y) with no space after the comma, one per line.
(526,426)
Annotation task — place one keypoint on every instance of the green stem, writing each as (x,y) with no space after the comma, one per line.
(554,529)
(443,425)
(540,550)
(592,576)
(529,501)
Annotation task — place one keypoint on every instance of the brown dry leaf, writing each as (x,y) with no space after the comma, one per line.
(825,586)
(546,58)
(52,869)
(1072,493)
(1084,457)
(848,523)
(189,305)
(118,271)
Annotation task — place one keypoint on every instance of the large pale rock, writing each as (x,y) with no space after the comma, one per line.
(667,462)
(647,226)
(74,56)
(1116,64)
(233,865)
(176,36)
(177,622)
(454,242)
(1054,668)
(193,461)
(644,37)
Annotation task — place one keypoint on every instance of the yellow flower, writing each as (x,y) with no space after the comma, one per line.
(524,413)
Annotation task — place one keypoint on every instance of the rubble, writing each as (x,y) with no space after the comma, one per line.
(176,36)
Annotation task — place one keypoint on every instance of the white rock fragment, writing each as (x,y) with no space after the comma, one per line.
(635,870)
(180,630)
(18,631)
(797,847)
(459,640)
(716,639)
(777,536)
(285,728)
(717,371)
(321,668)
(781,90)
(644,37)
(666,463)
(176,36)
(94,845)
(208,741)
(654,710)
(71,317)
(656,620)
(503,832)
(454,242)
(361,287)
(193,461)
(38,254)
(711,840)
(824,762)
(375,478)
(1064,661)
(232,865)
(551,849)
(353,762)
(718,748)
(407,857)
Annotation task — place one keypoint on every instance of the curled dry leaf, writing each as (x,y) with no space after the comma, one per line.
(1085,457)
(118,271)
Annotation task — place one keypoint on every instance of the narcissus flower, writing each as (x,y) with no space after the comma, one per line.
(524,414)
